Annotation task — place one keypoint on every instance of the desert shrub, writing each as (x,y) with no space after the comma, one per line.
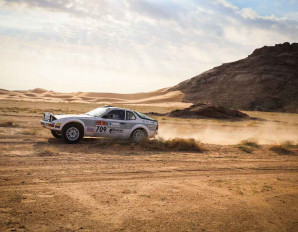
(284,148)
(250,143)
(183,144)
(176,144)
(245,148)
(8,124)
(290,144)
(153,144)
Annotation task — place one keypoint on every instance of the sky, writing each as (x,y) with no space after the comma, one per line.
(129,46)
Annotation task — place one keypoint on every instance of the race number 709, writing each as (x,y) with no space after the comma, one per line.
(101,129)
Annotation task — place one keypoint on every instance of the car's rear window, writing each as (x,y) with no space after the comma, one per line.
(143,116)
(130,116)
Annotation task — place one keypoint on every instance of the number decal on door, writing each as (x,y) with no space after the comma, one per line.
(101,129)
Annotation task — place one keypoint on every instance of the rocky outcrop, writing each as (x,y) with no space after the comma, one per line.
(208,111)
(267,80)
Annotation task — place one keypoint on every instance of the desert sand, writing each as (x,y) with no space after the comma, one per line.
(96,185)
(161,97)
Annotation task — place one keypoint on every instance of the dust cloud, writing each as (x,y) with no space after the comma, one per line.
(232,133)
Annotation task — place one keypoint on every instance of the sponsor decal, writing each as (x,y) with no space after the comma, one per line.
(90,129)
(113,124)
(57,125)
(102,123)
(115,131)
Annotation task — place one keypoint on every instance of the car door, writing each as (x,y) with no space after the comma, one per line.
(101,127)
(116,125)
(131,121)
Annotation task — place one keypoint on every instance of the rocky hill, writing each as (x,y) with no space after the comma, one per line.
(208,111)
(267,80)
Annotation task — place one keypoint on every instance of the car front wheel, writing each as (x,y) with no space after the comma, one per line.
(56,134)
(72,133)
(138,135)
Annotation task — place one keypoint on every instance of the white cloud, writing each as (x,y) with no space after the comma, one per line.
(152,44)
(292,16)
(249,13)
(227,4)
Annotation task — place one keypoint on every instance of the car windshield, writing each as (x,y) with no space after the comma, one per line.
(143,116)
(97,112)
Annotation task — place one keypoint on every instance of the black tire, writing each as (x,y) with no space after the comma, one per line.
(72,133)
(56,134)
(138,135)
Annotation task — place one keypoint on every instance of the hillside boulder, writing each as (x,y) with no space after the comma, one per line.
(208,111)
(267,80)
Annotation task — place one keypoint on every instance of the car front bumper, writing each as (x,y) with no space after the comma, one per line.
(50,125)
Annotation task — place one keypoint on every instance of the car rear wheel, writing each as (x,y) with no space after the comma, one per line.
(72,133)
(138,135)
(56,134)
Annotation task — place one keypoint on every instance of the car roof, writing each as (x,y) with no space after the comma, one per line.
(116,108)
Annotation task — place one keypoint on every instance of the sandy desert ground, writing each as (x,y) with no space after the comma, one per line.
(161,97)
(46,185)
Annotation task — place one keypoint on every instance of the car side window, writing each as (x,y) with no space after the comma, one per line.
(115,114)
(130,116)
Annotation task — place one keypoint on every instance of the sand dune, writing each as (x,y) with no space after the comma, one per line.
(135,96)
(159,97)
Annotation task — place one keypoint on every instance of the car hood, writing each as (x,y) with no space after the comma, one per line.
(60,116)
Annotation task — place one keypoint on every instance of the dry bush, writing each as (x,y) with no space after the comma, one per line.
(285,148)
(8,124)
(290,144)
(280,149)
(250,143)
(176,144)
(245,148)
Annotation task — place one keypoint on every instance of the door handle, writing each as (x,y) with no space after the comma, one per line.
(122,123)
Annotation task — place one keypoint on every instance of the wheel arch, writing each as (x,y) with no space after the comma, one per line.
(139,127)
(74,121)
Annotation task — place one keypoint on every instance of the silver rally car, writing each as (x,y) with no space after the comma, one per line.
(106,121)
